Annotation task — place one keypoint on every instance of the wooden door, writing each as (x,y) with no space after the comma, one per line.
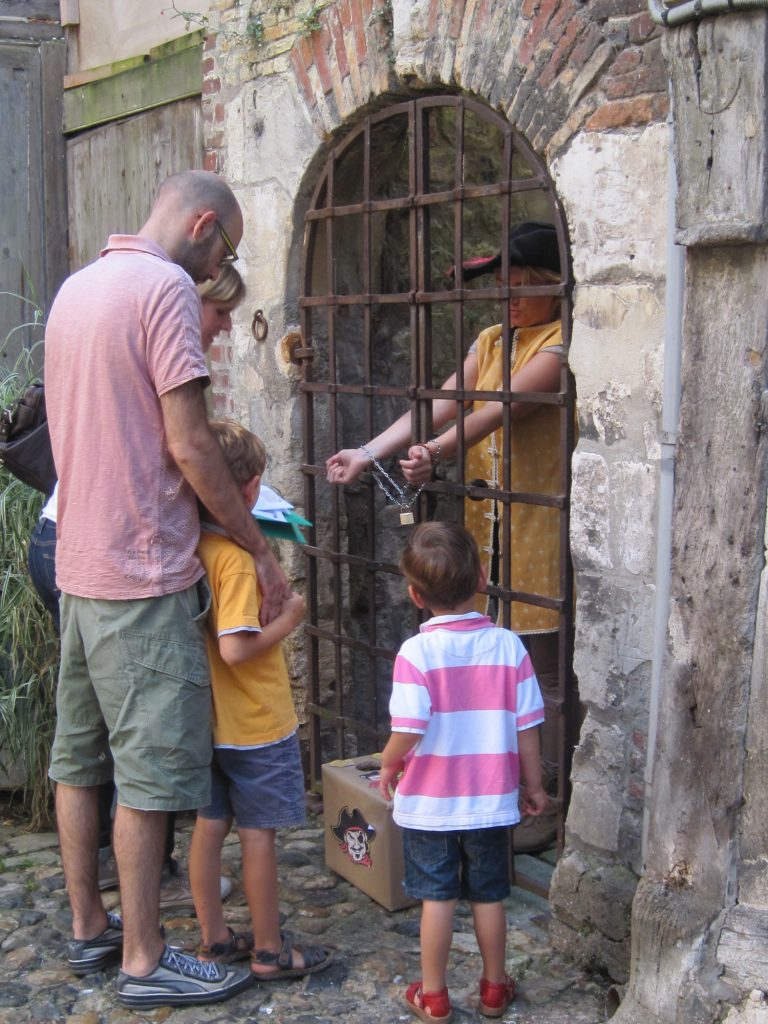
(33,257)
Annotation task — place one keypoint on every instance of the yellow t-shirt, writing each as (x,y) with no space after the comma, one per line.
(252,702)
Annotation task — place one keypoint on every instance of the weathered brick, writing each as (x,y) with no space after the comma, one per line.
(456,19)
(537,30)
(622,113)
(320,46)
(208,65)
(306,52)
(642,27)
(219,112)
(559,54)
(220,403)
(211,160)
(434,14)
(361,43)
(647,78)
(601,10)
(586,45)
(481,15)
(626,61)
(302,78)
(340,50)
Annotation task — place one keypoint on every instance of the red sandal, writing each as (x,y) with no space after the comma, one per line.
(434,1006)
(495,996)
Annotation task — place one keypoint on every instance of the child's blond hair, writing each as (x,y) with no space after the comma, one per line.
(442,562)
(244,453)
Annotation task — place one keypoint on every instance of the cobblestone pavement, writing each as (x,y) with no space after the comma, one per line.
(376,951)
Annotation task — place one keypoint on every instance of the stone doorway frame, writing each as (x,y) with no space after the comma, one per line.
(333,731)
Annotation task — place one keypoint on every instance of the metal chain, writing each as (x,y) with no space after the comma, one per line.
(394,493)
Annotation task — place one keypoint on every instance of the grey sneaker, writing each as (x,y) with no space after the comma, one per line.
(85,956)
(182,980)
(175,891)
(107,869)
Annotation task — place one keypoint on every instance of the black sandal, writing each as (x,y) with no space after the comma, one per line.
(237,947)
(316,958)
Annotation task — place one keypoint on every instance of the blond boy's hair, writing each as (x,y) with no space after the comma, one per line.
(442,562)
(244,453)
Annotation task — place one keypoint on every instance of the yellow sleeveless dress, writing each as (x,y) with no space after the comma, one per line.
(534,467)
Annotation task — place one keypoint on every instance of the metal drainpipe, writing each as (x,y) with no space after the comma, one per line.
(672,14)
(670,414)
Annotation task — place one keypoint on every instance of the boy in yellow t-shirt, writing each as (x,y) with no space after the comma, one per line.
(257,778)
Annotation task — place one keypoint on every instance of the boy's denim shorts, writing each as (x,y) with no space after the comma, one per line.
(259,788)
(471,865)
(134,699)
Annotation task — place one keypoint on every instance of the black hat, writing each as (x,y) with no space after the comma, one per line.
(355,819)
(531,244)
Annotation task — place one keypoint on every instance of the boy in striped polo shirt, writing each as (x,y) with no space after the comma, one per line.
(465,705)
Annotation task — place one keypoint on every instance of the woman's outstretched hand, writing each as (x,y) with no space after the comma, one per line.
(417,467)
(346,466)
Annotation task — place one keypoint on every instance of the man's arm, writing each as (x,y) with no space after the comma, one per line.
(199,457)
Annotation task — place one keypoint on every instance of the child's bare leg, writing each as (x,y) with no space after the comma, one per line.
(260,887)
(490,923)
(205,877)
(436,937)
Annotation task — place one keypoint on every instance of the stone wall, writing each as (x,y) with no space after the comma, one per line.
(586,85)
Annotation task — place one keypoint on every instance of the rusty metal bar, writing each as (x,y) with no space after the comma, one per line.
(421,205)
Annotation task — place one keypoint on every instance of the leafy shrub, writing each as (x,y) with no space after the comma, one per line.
(29,650)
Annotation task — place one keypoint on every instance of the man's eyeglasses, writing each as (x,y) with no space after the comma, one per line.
(232,256)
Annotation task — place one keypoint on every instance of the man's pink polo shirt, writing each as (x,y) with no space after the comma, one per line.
(122,332)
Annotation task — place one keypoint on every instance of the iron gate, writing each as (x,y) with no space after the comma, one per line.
(414,189)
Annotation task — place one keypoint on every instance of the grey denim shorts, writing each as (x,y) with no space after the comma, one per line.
(134,699)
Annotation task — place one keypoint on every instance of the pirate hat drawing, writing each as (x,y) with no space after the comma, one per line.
(352,820)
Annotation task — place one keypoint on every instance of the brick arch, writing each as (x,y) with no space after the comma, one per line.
(552,67)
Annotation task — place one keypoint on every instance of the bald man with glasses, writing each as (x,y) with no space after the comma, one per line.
(125,375)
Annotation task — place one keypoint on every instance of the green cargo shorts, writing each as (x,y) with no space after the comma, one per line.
(134,699)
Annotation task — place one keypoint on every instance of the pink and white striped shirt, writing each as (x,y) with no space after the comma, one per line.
(467,687)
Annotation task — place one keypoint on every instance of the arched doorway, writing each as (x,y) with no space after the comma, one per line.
(413,190)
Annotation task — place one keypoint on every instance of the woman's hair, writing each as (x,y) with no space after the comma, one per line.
(539,275)
(229,287)
(442,562)
(244,453)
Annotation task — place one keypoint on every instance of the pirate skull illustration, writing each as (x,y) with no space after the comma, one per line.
(354,836)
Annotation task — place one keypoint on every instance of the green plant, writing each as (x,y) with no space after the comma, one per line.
(28,644)
(254,29)
(309,21)
(383,18)
(191,18)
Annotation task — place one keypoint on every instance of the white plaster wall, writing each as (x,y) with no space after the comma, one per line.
(613,188)
(112,30)
(269,143)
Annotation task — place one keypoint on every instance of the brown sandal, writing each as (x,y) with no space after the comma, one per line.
(237,947)
(316,958)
